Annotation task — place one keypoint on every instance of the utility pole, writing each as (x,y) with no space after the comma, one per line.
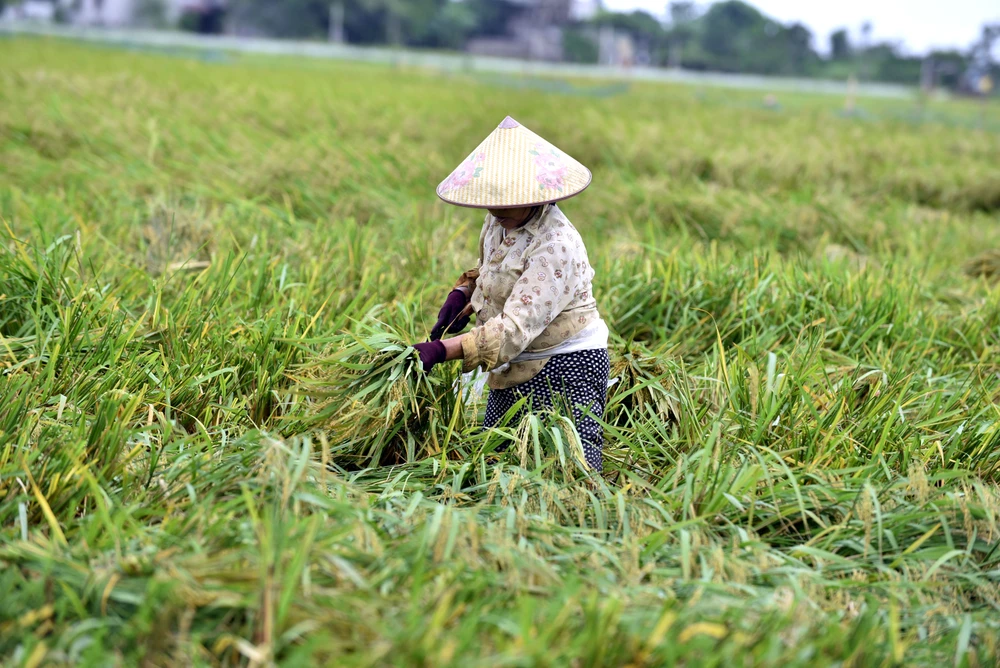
(927,74)
(866,36)
(393,26)
(850,103)
(337,22)
(978,76)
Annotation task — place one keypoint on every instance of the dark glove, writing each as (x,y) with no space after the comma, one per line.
(450,318)
(431,353)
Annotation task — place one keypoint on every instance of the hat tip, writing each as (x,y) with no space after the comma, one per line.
(509,123)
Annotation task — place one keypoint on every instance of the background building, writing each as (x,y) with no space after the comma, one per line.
(533,29)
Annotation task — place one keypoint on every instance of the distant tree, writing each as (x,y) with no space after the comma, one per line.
(579,46)
(492,15)
(450,27)
(403,18)
(884,61)
(798,43)
(150,13)
(206,19)
(840,45)
(425,23)
(681,31)
(729,30)
(735,37)
(642,24)
(362,24)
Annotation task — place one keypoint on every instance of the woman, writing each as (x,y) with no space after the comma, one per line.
(539,334)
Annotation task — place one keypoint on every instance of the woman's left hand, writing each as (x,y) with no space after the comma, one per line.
(453,316)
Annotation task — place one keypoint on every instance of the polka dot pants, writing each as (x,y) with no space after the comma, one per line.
(581,378)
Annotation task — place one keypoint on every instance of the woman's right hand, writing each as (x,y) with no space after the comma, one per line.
(431,354)
(453,316)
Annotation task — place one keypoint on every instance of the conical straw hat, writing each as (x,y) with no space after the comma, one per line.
(514,167)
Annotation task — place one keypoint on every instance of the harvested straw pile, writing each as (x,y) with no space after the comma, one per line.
(177,239)
(985,265)
(644,383)
(374,399)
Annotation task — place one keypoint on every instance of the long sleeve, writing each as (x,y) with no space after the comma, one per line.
(551,278)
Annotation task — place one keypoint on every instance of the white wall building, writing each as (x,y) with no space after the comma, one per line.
(123,12)
(111,13)
(581,10)
(104,12)
(30,10)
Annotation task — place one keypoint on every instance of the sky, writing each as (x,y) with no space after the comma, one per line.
(918,24)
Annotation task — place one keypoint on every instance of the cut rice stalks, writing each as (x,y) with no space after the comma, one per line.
(643,382)
(375,401)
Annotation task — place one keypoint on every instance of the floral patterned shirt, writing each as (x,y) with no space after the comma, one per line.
(533,290)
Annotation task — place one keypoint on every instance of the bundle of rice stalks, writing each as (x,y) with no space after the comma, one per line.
(985,265)
(377,404)
(644,384)
(177,239)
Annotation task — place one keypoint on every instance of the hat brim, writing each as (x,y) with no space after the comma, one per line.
(519,206)
(513,168)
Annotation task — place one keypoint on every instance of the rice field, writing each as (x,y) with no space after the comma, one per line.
(215,450)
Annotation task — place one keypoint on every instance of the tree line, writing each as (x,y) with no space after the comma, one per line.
(730,36)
